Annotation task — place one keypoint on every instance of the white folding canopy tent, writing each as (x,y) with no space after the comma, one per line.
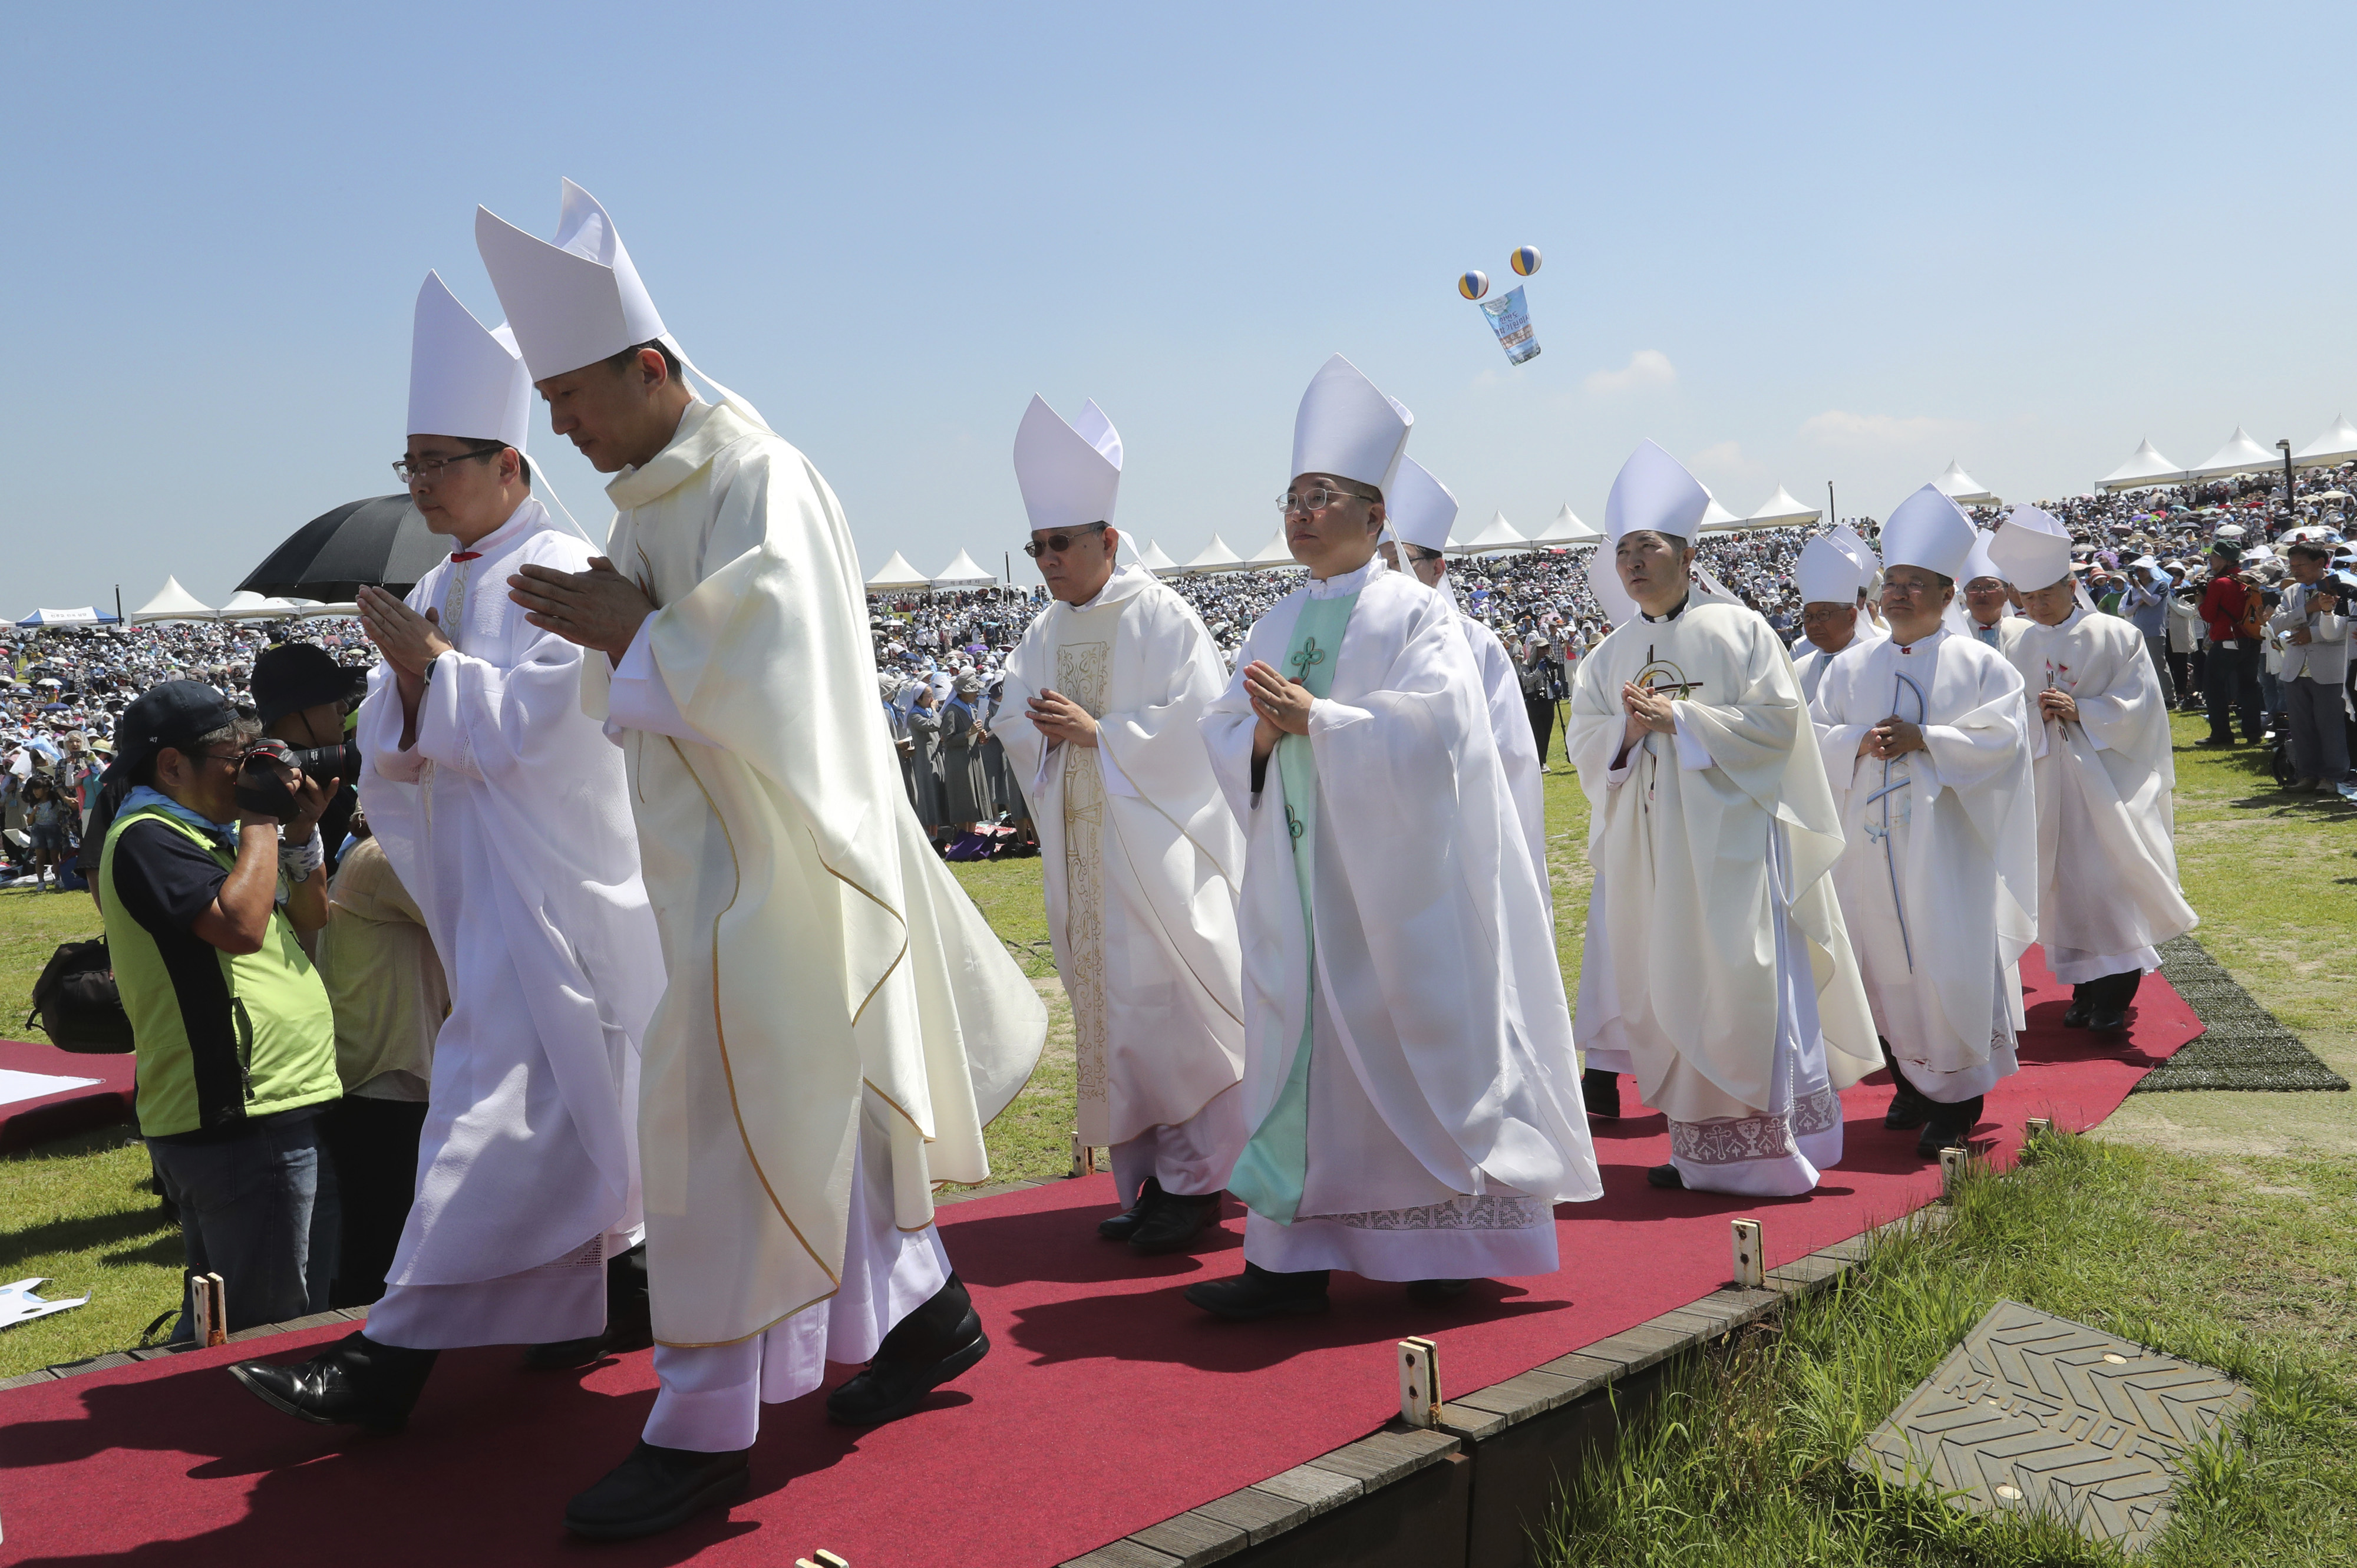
(1567,530)
(965,573)
(1153,561)
(2338,444)
(247,604)
(1216,557)
(2241,455)
(1273,556)
(1782,509)
(1496,537)
(896,574)
(1717,518)
(2147,469)
(172,602)
(1962,488)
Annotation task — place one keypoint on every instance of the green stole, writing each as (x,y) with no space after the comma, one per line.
(1269,1173)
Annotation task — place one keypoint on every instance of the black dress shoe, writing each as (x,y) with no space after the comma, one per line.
(1431,1293)
(1951,1127)
(2075,1015)
(1120,1227)
(1664,1175)
(2108,1020)
(630,1320)
(1602,1090)
(1261,1292)
(924,1350)
(656,1488)
(1907,1106)
(353,1382)
(1176,1220)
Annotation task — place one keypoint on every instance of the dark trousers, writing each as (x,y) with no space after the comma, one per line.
(2112,991)
(1542,724)
(2231,684)
(2320,734)
(373,1145)
(247,1207)
(2180,670)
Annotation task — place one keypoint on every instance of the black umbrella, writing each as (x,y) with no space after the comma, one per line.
(382,541)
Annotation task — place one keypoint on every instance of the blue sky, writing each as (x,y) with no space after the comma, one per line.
(1792,243)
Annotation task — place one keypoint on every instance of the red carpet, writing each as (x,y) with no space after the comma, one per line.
(1107,1405)
(29,1121)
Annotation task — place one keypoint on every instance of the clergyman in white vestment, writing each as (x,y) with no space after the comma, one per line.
(1830,580)
(1409,1077)
(1923,743)
(1140,855)
(1716,969)
(2100,749)
(839,1022)
(500,806)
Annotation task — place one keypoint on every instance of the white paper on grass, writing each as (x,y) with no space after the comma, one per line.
(19,1305)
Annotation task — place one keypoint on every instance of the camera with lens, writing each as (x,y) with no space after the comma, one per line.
(262,787)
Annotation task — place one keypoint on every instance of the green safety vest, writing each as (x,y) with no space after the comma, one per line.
(205,1063)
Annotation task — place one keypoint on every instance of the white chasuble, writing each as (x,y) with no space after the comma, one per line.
(1510,726)
(1408,1071)
(820,956)
(2107,893)
(506,822)
(1937,879)
(1140,852)
(1718,969)
(1810,662)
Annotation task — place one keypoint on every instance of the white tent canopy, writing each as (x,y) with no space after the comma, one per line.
(2338,444)
(1566,529)
(87,615)
(1782,509)
(172,602)
(1153,561)
(1216,557)
(1275,555)
(1962,488)
(2147,469)
(896,574)
(247,604)
(1497,536)
(1717,518)
(965,573)
(2241,455)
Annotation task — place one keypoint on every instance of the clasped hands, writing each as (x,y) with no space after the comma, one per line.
(599,609)
(1060,718)
(1893,737)
(1280,706)
(2059,705)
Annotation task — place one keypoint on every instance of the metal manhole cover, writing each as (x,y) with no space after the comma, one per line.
(2036,1413)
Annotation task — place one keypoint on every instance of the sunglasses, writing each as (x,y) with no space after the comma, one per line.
(1057,543)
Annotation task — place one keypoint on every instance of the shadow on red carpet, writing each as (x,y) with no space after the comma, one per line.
(1106,1404)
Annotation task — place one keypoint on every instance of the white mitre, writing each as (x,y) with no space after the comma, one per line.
(465,380)
(1827,574)
(1070,474)
(1420,507)
(2031,549)
(1654,492)
(572,303)
(1346,428)
(1930,531)
(1980,563)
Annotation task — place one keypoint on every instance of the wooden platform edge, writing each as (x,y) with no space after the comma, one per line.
(1270,1523)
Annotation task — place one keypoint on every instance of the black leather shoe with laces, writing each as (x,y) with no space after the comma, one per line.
(353,1382)
(1176,1220)
(924,1350)
(1121,1226)
(1261,1292)
(656,1488)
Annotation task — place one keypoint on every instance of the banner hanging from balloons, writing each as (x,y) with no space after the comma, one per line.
(1511,319)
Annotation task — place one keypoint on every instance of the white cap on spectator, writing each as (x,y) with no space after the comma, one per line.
(1346,428)
(465,380)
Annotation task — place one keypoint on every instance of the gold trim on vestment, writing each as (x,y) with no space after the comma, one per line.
(720,1032)
(898,918)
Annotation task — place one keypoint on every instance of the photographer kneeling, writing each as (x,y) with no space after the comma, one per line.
(236,1043)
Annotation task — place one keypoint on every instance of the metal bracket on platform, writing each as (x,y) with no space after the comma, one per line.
(1419,1371)
(821,1560)
(1955,1165)
(2036,1127)
(209,1301)
(1084,1158)
(1750,1261)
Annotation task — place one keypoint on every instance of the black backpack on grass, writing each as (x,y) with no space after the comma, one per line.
(76,1003)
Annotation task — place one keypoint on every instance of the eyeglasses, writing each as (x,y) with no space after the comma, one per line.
(425,471)
(1909,590)
(1057,543)
(1317,499)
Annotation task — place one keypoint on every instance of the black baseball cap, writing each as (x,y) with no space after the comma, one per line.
(297,675)
(174,713)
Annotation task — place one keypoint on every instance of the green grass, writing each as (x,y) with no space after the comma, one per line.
(31,926)
(1744,1461)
